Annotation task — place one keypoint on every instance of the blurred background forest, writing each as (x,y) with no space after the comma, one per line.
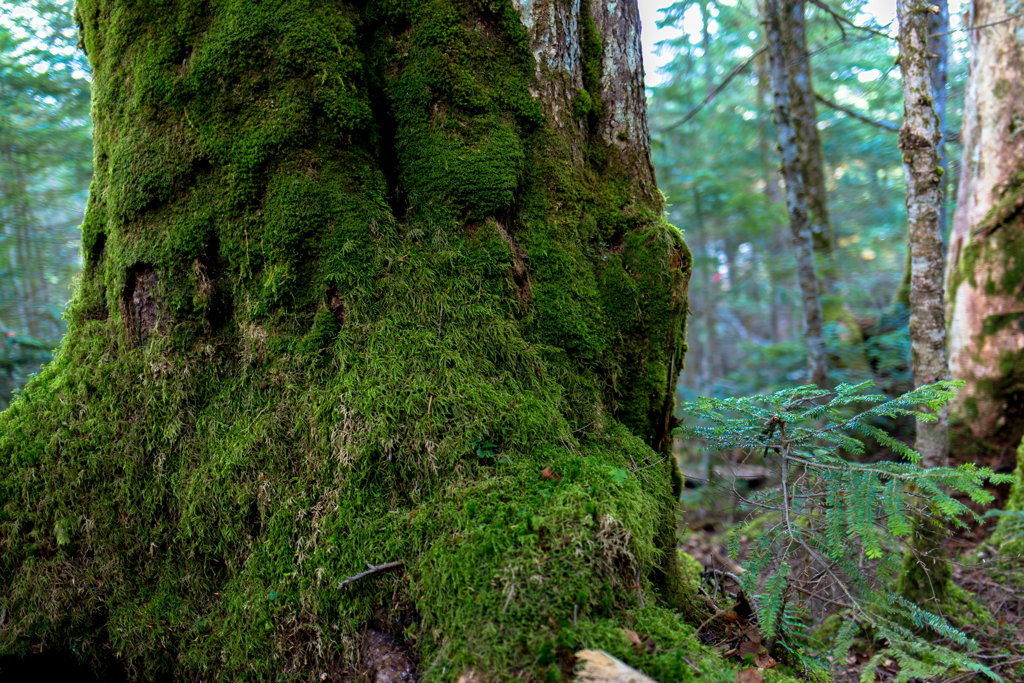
(718,167)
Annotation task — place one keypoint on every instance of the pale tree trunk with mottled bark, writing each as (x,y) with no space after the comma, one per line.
(919,143)
(796,195)
(986,251)
(926,571)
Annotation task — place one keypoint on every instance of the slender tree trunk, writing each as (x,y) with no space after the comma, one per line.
(778,306)
(986,252)
(374,283)
(796,197)
(709,351)
(926,571)
(938,46)
(919,143)
(805,123)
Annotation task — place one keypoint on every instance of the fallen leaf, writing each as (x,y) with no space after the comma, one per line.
(549,473)
(750,676)
(749,647)
(851,659)
(601,667)
(763,660)
(633,637)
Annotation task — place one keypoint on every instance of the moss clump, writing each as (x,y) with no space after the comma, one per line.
(346,296)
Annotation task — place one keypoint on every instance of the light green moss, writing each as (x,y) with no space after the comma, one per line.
(385,297)
(1007,536)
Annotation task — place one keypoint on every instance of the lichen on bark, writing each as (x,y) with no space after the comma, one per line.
(986,254)
(351,285)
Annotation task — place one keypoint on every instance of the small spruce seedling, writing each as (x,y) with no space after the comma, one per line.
(830,532)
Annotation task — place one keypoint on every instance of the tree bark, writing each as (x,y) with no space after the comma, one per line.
(363,284)
(926,572)
(919,143)
(805,123)
(796,196)
(938,46)
(986,251)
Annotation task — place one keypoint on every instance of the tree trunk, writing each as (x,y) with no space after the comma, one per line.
(919,143)
(805,123)
(986,252)
(938,46)
(926,572)
(796,196)
(363,284)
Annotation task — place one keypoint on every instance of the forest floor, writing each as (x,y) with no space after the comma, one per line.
(709,515)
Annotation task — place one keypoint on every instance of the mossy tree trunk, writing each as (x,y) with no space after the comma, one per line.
(986,251)
(363,283)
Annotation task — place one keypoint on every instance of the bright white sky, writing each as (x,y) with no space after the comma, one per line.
(650,12)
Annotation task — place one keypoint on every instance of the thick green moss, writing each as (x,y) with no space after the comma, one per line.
(346,295)
(1008,537)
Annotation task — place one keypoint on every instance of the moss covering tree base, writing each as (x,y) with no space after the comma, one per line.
(354,295)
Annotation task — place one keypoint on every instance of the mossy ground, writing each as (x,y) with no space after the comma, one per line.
(346,295)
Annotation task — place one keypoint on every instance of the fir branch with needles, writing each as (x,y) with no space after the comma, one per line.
(838,527)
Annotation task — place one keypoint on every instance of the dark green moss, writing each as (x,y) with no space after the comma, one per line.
(997,322)
(330,253)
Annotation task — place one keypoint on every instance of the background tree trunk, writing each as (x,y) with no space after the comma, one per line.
(938,46)
(926,571)
(986,252)
(805,123)
(919,142)
(362,285)
(796,195)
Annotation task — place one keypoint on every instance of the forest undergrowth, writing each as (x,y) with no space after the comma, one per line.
(724,524)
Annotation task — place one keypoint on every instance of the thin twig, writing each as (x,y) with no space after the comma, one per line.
(951,138)
(840,19)
(719,613)
(714,91)
(885,125)
(974,28)
(373,569)
(508,600)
